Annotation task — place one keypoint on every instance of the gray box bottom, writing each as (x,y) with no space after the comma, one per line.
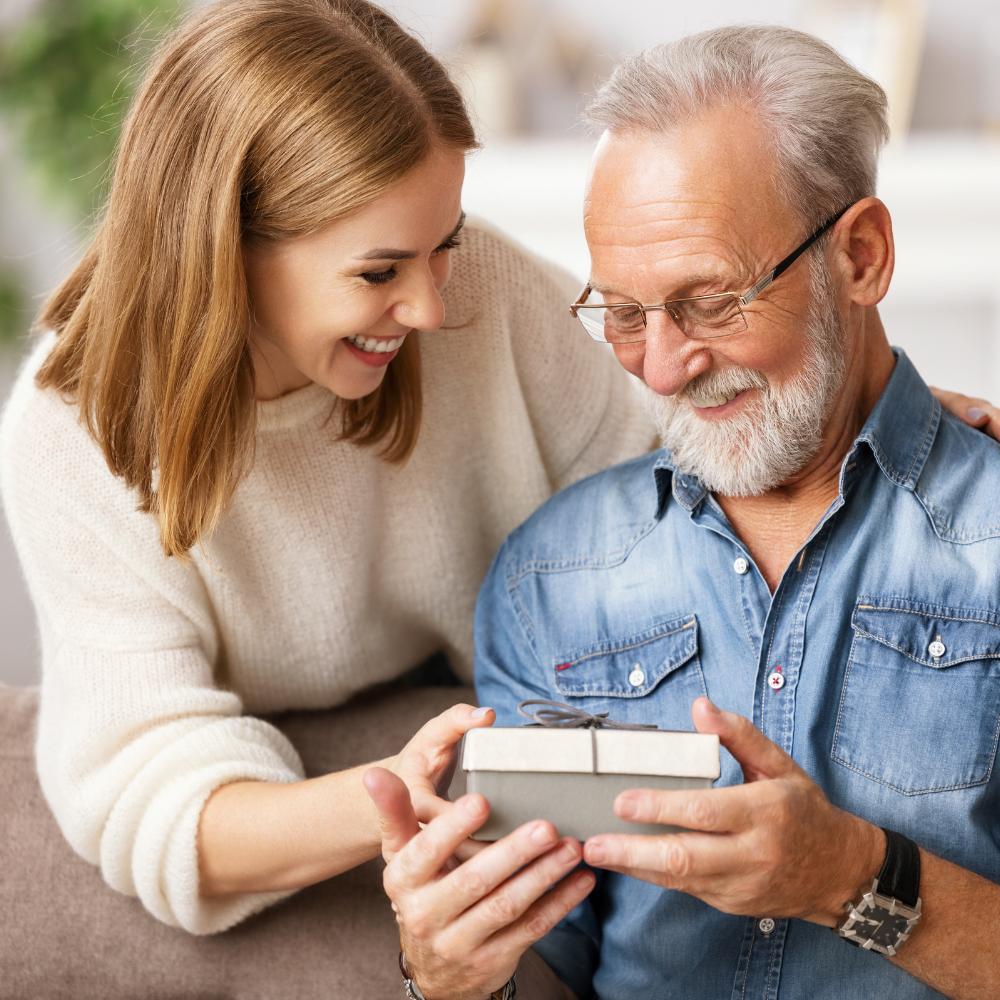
(579,805)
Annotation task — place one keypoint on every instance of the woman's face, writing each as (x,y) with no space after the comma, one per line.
(334,307)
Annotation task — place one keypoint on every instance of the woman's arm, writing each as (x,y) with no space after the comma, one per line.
(266,837)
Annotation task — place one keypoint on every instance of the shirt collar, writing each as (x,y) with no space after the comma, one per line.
(899,431)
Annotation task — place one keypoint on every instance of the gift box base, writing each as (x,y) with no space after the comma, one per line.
(579,805)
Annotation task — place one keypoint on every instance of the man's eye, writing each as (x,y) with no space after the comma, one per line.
(379,277)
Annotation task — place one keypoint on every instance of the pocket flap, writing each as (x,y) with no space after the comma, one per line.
(934,635)
(628,667)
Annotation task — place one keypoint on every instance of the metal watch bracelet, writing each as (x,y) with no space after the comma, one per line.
(506,992)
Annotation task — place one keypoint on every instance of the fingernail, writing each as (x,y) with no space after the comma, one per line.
(472,805)
(569,852)
(976,413)
(626,806)
(595,852)
(541,834)
(481,713)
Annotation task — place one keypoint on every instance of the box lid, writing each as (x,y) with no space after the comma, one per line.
(592,751)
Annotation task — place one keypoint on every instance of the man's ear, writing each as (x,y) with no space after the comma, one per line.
(864,252)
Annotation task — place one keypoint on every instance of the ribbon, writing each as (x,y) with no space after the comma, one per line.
(559,715)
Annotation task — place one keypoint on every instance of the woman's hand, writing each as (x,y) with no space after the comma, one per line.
(427,762)
(971,410)
(464,929)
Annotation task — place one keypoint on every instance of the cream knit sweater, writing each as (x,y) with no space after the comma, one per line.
(331,571)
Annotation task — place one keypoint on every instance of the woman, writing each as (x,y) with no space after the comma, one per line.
(239,480)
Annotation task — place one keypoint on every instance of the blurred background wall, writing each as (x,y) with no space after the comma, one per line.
(67,68)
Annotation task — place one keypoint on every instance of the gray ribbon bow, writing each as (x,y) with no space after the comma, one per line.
(559,715)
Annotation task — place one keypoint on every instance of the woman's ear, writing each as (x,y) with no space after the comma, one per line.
(865,251)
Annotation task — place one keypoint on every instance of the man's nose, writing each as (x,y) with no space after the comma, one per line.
(671,359)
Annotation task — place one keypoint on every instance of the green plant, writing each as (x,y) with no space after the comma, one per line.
(67,72)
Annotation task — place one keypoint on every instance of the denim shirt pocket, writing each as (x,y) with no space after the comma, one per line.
(920,702)
(647,676)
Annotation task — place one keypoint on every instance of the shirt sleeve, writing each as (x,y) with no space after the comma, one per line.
(134,730)
(507,671)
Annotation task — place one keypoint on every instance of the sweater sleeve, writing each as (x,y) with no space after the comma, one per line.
(134,730)
(587,411)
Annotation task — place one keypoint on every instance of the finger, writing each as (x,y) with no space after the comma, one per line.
(445,730)
(476,879)
(512,898)
(424,856)
(396,818)
(755,753)
(677,859)
(717,810)
(543,915)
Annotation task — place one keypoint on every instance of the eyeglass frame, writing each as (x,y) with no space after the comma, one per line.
(743,299)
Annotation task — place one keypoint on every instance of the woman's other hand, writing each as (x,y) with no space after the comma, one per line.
(971,410)
(427,762)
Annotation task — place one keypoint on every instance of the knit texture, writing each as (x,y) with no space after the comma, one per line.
(332,570)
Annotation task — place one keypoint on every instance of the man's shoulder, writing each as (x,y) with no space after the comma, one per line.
(960,483)
(591,523)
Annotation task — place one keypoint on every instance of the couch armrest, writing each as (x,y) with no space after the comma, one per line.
(64,933)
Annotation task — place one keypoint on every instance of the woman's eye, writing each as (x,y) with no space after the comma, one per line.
(451,244)
(379,277)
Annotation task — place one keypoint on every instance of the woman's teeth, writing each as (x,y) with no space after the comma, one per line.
(376,346)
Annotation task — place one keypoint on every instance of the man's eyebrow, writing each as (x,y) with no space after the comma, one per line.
(387,253)
(693,281)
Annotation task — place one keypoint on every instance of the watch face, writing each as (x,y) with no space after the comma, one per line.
(882,927)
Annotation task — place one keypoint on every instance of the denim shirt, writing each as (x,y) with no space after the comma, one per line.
(884,632)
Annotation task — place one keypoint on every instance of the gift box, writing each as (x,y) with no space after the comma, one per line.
(570,766)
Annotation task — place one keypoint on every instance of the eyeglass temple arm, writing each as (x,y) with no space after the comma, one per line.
(785,264)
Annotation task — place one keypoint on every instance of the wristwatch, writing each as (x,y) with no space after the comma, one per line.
(506,992)
(887,914)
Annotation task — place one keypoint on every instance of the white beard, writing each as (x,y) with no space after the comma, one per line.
(775,435)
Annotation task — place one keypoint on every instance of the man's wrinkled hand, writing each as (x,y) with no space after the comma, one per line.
(774,845)
(464,927)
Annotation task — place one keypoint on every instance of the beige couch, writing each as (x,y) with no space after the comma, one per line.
(63,933)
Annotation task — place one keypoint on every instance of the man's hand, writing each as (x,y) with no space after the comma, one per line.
(463,927)
(973,411)
(774,846)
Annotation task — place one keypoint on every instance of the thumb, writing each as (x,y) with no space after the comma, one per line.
(396,818)
(754,752)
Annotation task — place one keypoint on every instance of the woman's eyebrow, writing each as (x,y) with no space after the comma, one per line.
(387,253)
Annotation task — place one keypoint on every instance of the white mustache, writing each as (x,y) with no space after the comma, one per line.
(727,383)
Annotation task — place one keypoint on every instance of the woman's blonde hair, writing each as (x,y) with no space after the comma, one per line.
(258,121)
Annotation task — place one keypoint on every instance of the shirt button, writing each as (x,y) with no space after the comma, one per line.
(776,680)
(937,649)
(766,926)
(741,566)
(637,678)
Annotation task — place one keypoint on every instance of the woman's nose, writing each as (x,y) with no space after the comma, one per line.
(422,308)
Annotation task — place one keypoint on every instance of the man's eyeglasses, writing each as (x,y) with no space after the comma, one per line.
(700,317)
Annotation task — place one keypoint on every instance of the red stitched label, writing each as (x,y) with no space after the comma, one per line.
(563,666)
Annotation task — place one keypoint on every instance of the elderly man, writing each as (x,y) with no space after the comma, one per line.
(825,533)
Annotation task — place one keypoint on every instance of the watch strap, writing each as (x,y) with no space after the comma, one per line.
(506,992)
(899,876)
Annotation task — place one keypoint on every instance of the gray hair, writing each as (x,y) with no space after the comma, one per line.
(827,120)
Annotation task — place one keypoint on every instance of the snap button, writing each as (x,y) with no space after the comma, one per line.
(637,678)
(776,680)
(741,566)
(937,649)
(766,925)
